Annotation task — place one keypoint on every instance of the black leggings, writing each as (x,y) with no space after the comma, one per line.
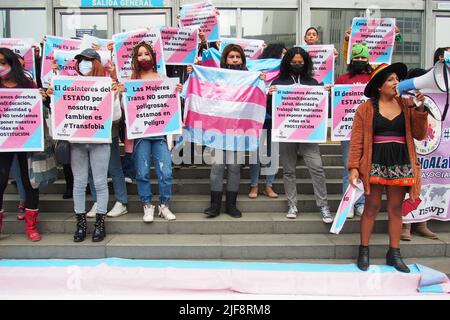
(32,195)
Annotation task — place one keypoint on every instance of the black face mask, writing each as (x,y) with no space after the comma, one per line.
(359,66)
(297,69)
(234,66)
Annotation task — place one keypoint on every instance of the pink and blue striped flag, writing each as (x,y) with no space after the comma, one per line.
(225,109)
(270,66)
(211,58)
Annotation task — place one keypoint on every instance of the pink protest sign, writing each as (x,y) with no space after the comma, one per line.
(123,48)
(204,15)
(252,48)
(152,108)
(82,109)
(21,121)
(180,45)
(345,101)
(322,57)
(299,114)
(23,48)
(379,36)
(51,44)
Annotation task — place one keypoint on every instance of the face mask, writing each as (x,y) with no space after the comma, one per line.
(234,66)
(359,66)
(85,67)
(146,65)
(296,69)
(5,71)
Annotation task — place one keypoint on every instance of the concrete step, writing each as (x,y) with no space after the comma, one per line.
(245,246)
(199,186)
(198,223)
(185,203)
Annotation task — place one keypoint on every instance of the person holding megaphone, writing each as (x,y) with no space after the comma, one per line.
(383,156)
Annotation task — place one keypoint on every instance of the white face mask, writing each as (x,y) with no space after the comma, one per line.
(85,67)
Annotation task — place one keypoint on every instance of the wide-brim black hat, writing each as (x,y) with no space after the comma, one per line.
(400,69)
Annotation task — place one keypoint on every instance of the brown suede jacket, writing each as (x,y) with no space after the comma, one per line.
(360,154)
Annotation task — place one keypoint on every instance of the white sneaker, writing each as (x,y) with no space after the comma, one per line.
(165,213)
(118,210)
(326,214)
(93,211)
(128,180)
(292,213)
(149,211)
(109,180)
(351,214)
(359,210)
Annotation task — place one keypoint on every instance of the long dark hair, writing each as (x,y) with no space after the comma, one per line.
(439,52)
(17,74)
(136,69)
(227,50)
(352,72)
(375,95)
(286,63)
(273,51)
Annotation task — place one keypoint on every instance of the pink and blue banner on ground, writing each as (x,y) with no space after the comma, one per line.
(152,108)
(299,114)
(123,47)
(204,15)
(180,45)
(345,100)
(322,57)
(225,109)
(434,158)
(21,120)
(146,278)
(51,44)
(253,48)
(379,36)
(24,48)
(82,109)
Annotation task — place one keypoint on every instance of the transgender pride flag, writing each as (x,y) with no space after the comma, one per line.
(225,108)
(211,58)
(270,66)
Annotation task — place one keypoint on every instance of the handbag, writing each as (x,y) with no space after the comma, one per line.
(42,166)
(62,152)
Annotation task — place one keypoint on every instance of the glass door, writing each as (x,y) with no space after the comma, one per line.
(73,23)
(127,20)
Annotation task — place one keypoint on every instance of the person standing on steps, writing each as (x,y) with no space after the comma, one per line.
(382,142)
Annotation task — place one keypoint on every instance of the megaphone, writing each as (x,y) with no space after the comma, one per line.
(437,78)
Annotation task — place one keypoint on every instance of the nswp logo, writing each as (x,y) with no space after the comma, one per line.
(434,130)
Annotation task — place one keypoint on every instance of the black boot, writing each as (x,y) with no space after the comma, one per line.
(99,231)
(231,208)
(394,258)
(80,233)
(216,202)
(363,258)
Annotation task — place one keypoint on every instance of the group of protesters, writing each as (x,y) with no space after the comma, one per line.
(381,144)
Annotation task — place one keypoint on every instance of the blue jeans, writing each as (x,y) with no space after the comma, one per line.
(116,173)
(15,171)
(96,156)
(345,145)
(144,151)
(128,166)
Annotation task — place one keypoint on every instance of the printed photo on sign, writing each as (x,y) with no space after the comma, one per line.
(299,114)
(82,109)
(123,48)
(379,36)
(322,57)
(21,120)
(180,45)
(152,108)
(345,100)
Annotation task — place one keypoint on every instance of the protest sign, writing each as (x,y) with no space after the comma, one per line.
(204,15)
(299,114)
(180,45)
(253,48)
(379,36)
(152,108)
(21,121)
(322,57)
(82,109)
(66,62)
(123,48)
(23,48)
(345,100)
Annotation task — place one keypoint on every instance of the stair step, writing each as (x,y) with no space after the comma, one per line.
(245,246)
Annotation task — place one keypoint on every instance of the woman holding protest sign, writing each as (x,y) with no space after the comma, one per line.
(144,67)
(12,76)
(312,38)
(359,71)
(296,68)
(382,141)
